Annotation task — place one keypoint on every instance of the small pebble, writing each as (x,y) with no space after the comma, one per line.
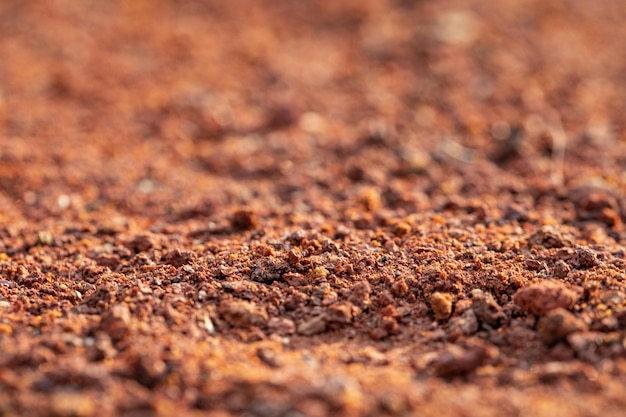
(544,296)
(441,303)
(557,325)
(313,326)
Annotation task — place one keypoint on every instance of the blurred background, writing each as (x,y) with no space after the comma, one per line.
(176,109)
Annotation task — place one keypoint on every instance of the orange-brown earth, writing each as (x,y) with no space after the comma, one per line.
(311,208)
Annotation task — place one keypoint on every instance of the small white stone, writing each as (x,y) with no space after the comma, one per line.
(63,201)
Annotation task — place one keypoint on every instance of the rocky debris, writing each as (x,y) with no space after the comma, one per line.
(595,203)
(243,314)
(269,357)
(342,312)
(402,229)
(45,238)
(116,322)
(557,325)
(317,274)
(295,279)
(465,324)
(280,115)
(162,224)
(370,199)
(149,369)
(141,243)
(294,256)
(441,303)
(535,265)
(378,334)
(561,269)
(555,371)
(587,344)
(178,258)
(462,306)
(486,309)
(244,220)
(621,319)
(390,325)
(517,212)
(368,356)
(313,326)
(360,294)
(73,404)
(613,298)
(110,261)
(547,237)
(456,360)
(400,288)
(544,296)
(585,258)
(280,325)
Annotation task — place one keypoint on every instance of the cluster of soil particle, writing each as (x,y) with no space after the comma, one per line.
(312,208)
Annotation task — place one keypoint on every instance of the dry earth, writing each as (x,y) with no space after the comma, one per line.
(311,208)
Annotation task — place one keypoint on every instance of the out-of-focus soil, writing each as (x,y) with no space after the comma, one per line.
(311,208)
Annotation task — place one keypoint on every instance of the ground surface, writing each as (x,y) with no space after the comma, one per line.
(286,208)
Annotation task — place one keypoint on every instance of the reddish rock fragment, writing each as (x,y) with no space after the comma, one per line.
(108,261)
(280,116)
(149,370)
(318,274)
(341,312)
(441,303)
(534,265)
(244,220)
(313,326)
(242,314)
(370,198)
(142,243)
(390,325)
(586,344)
(384,298)
(360,294)
(595,203)
(586,258)
(621,319)
(465,324)
(544,296)
(548,238)
(400,288)
(557,325)
(73,404)
(402,229)
(456,360)
(487,310)
(281,326)
(178,258)
(294,256)
(378,334)
(390,311)
(116,322)
(561,269)
(369,356)
(294,279)
(613,298)
(462,306)
(269,357)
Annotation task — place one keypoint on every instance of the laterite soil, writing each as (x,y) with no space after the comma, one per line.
(312,208)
